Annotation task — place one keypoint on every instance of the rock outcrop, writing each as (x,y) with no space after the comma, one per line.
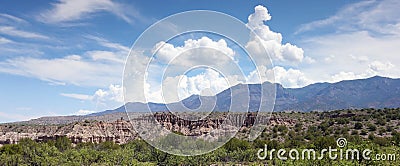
(121,131)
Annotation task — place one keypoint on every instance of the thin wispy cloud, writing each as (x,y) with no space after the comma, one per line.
(379,17)
(106,43)
(12,31)
(362,38)
(67,11)
(6,18)
(12,117)
(77,96)
(71,69)
(4,40)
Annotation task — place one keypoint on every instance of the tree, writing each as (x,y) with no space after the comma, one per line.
(63,143)
(236,144)
(324,142)
(108,145)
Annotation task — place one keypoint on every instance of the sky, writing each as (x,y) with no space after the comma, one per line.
(67,57)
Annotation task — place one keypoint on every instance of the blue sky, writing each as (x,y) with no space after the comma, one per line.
(66,57)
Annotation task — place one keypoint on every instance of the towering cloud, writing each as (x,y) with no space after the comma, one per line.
(271,40)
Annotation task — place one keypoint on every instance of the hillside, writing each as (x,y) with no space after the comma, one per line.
(113,143)
(374,92)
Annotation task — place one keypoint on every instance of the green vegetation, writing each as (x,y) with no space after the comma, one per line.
(317,130)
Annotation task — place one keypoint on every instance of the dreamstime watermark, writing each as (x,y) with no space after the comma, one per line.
(331,153)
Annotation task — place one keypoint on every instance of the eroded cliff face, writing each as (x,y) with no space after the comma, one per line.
(204,126)
(121,131)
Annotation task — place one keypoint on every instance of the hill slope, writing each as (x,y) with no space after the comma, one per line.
(374,92)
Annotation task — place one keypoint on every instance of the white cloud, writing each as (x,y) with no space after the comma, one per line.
(112,94)
(271,40)
(352,53)
(102,99)
(374,68)
(309,60)
(378,66)
(73,10)
(70,69)
(329,58)
(106,56)
(347,76)
(375,16)
(360,59)
(12,117)
(4,40)
(105,43)
(292,53)
(177,87)
(289,78)
(201,51)
(344,14)
(83,112)
(98,68)
(207,84)
(12,31)
(361,40)
(77,96)
(6,18)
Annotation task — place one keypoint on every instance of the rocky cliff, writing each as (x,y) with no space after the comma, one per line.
(120,131)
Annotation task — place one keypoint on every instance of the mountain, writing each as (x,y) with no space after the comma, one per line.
(374,92)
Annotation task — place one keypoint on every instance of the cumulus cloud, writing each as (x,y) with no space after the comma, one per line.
(177,87)
(208,83)
(272,41)
(289,78)
(113,93)
(102,99)
(374,68)
(201,51)
(378,66)
(347,76)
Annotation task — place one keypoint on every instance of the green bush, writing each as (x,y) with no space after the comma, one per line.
(358,126)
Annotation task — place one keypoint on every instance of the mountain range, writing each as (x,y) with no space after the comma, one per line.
(374,92)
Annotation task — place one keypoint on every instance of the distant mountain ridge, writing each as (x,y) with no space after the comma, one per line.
(374,92)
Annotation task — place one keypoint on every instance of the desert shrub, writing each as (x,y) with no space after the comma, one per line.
(358,126)
(371,127)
